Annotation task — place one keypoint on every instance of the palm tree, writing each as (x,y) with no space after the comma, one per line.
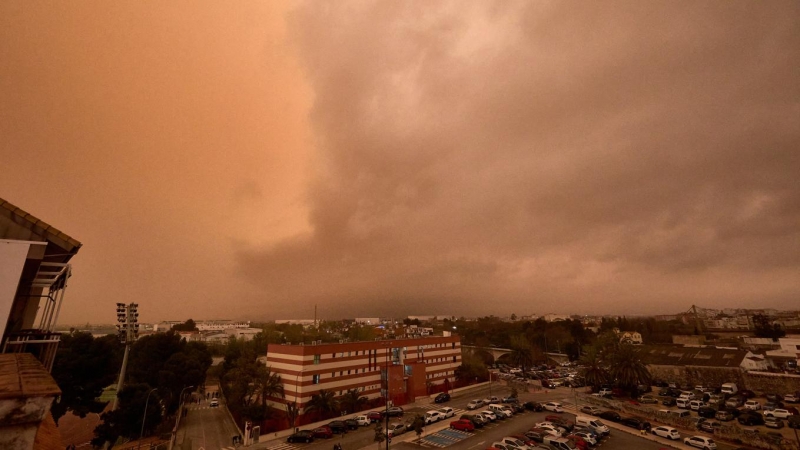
(628,369)
(352,401)
(594,369)
(268,384)
(324,403)
(521,352)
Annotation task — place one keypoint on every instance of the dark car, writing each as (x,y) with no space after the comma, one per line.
(510,400)
(635,422)
(441,398)
(394,411)
(707,412)
(375,416)
(669,401)
(301,436)
(533,406)
(560,421)
(536,434)
(746,393)
(773,397)
(351,424)
(750,418)
(337,426)
(610,415)
(477,421)
(322,432)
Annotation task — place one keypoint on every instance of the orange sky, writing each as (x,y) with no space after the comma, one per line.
(253,159)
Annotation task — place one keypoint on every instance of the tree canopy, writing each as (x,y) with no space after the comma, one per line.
(83,367)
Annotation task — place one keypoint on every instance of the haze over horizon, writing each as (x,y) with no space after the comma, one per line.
(468,158)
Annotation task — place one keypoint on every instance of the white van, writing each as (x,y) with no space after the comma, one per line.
(682,413)
(729,388)
(682,403)
(501,410)
(593,423)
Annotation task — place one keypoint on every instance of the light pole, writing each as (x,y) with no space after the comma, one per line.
(386,367)
(178,418)
(144,416)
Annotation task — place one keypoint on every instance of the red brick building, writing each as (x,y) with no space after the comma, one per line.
(415,367)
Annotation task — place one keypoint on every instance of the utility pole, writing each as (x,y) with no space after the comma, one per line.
(127,332)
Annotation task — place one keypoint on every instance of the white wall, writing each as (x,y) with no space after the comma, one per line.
(12,259)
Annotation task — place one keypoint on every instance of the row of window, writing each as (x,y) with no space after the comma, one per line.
(374,353)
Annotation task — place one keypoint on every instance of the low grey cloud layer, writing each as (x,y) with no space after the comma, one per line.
(533,157)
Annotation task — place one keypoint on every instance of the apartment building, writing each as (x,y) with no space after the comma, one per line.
(398,369)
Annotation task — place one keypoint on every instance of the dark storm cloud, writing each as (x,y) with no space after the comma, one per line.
(489,158)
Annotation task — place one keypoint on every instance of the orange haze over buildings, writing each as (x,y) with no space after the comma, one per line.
(252,160)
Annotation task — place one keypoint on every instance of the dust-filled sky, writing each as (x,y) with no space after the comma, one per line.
(254,159)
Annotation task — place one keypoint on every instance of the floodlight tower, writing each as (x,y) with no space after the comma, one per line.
(127,332)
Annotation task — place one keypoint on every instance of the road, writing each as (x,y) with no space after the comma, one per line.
(205,428)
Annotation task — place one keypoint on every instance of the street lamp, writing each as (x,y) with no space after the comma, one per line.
(178,418)
(144,416)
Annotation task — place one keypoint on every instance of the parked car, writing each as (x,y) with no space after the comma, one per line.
(780,413)
(610,415)
(746,393)
(489,415)
(648,399)
(322,432)
(769,406)
(694,405)
(666,432)
(375,416)
(394,411)
(791,398)
(551,429)
(635,422)
(462,425)
(709,426)
(441,398)
(773,397)
(669,401)
(476,420)
(707,412)
(587,436)
(750,418)
(475,404)
(723,415)
(337,426)
(510,400)
(533,406)
(433,416)
(396,429)
(536,434)
(301,436)
(352,424)
(773,422)
(752,405)
(214,403)
(700,442)
(363,420)
(553,406)
(560,421)
(447,411)
(591,410)
(734,402)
